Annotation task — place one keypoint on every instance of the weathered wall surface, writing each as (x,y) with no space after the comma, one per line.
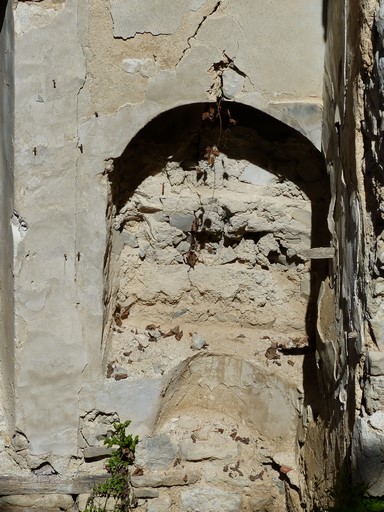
(117,232)
(351,427)
(6,201)
(341,328)
(368,430)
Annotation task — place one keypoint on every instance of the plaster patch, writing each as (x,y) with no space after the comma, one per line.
(30,16)
(144,67)
(158,17)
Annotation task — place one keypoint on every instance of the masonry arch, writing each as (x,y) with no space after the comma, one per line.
(213,212)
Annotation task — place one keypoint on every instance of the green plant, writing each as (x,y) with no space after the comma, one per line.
(115,494)
(349,497)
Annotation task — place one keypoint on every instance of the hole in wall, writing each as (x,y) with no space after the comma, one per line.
(211,208)
(206,286)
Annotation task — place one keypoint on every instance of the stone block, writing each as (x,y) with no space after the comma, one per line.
(375,363)
(166,478)
(209,499)
(255,175)
(145,493)
(232,83)
(129,239)
(377,325)
(182,221)
(160,505)
(96,452)
(374,394)
(155,452)
(82,500)
(202,450)
(37,502)
(367,452)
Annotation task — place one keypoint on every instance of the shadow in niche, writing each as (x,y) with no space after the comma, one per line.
(3,9)
(325,18)
(181,135)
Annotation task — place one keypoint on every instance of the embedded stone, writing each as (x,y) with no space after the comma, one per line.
(145,493)
(197,341)
(160,505)
(210,499)
(144,67)
(129,239)
(368,447)
(182,221)
(374,394)
(227,255)
(232,83)
(155,452)
(96,452)
(48,502)
(375,363)
(202,450)
(377,325)
(166,478)
(255,175)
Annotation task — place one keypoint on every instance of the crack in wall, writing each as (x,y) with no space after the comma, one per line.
(193,36)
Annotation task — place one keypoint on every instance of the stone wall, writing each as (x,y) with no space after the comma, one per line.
(368,430)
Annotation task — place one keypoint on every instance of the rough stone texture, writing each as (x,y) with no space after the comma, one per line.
(166,478)
(156,452)
(195,451)
(368,450)
(160,505)
(209,500)
(49,503)
(375,363)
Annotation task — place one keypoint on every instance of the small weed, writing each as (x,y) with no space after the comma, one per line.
(116,494)
(349,497)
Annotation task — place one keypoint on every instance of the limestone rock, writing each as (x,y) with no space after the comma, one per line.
(375,363)
(35,502)
(144,492)
(368,447)
(232,83)
(197,341)
(374,394)
(166,478)
(256,175)
(155,452)
(201,450)
(96,452)
(377,325)
(181,221)
(209,499)
(160,505)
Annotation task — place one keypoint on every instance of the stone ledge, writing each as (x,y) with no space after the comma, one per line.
(10,485)
(166,478)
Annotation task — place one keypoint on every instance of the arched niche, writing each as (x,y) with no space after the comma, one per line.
(213,210)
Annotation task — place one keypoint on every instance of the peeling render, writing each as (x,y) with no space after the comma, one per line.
(166,16)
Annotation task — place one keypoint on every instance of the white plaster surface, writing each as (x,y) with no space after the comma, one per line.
(156,17)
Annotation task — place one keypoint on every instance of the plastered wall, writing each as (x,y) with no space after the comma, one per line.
(6,201)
